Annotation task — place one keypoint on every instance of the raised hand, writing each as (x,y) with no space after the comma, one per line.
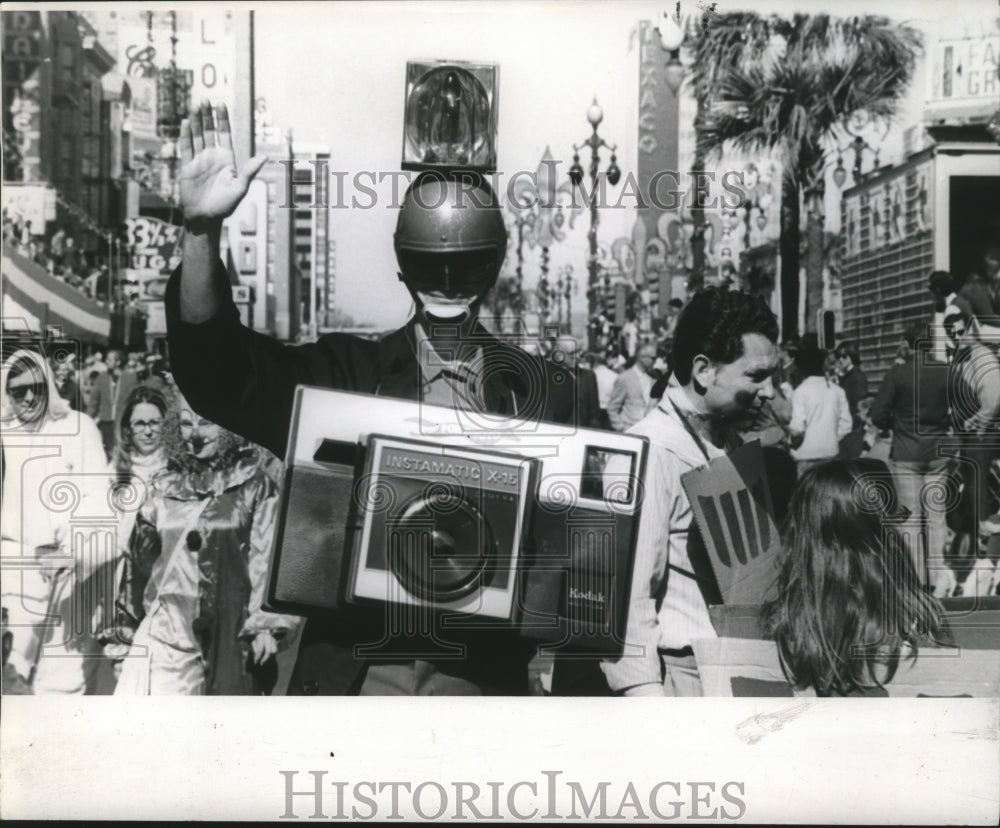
(210,186)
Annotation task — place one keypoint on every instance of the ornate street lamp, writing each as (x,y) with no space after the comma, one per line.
(594,115)
(564,292)
(523,221)
(758,199)
(860,145)
(672,36)
(540,199)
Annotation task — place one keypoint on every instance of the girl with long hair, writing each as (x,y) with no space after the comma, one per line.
(139,441)
(137,458)
(850,605)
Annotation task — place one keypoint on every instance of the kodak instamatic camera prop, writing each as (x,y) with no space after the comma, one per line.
(530,526)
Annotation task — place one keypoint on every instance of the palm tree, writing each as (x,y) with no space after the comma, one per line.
(792,86)
(718,42)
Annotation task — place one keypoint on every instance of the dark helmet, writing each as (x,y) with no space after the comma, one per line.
(450,235)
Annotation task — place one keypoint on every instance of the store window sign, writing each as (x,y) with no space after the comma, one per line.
(205,47)
(143,107)
(210,51)
(153,244)
(966,70)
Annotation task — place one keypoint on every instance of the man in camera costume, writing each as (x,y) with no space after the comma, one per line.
(450,243)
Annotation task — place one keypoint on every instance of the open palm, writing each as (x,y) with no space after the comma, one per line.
(210,185)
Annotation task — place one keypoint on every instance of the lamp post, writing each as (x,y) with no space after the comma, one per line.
(594,115)
(672,36)
(524,223)
(758,199)
(111,274)
(858,146)
(539,201)
(175,127)
(570,288)
(542,292)
(564,293)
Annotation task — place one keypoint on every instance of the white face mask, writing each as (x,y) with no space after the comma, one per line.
(450,310)
(447,312)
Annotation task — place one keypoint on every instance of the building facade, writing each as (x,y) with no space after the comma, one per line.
(62,154)
(939,208)
(311,233)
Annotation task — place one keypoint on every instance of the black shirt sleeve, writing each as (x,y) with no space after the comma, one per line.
(245,381)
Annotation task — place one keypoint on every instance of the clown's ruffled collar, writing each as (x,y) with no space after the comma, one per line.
(202,480)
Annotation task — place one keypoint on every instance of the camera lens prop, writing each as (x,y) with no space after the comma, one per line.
(440,547)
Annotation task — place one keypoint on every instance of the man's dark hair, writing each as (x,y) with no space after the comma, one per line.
(713,324)
(941,281)
(676,303)
(811,362)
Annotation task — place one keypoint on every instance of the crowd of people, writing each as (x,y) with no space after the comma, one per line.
(929,419)
(170,600)
(185,613)
(61,254)
(190,457)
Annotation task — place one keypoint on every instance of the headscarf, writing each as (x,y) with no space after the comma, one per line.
(56,407)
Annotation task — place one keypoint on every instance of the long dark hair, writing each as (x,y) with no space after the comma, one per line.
(125,447)
(850,605)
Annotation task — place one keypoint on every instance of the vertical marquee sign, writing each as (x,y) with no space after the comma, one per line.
(658,135)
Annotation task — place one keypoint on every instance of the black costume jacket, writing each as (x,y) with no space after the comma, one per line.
(245,381)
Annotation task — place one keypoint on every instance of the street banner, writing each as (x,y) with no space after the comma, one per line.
(731,501)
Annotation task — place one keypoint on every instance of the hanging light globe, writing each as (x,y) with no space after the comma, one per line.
(671,34)
(595,114)
(674,73)
(614,172)
(839,173)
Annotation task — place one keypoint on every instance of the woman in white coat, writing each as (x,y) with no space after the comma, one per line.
(58,523)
